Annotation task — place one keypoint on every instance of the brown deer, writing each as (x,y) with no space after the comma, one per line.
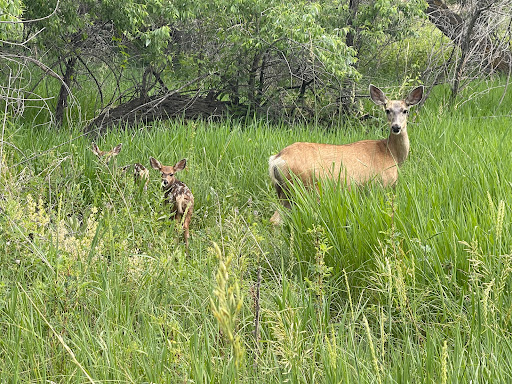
(106,156)
(356,163)
(176,193)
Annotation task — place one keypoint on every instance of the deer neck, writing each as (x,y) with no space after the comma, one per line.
(398,146)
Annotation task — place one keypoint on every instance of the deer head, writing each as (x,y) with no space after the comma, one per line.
(106,156)
(168,172)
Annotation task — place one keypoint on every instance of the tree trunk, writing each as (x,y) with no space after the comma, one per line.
(452,25)
(346,103)
(445,20)
(251,85)
(259,96)
(353,8)
(464,43)
(172,105)
(62,102)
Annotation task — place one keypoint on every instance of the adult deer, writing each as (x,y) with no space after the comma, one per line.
(354,163)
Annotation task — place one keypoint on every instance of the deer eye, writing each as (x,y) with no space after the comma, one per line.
(405,111)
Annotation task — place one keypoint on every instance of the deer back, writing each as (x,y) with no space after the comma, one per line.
(358,162)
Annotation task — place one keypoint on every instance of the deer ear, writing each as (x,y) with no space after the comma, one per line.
(117,149)
(155,163)
(95,149)
(180,165)
(377,95)
(415,96)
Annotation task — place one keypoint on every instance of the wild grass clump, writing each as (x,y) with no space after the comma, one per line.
(407,284)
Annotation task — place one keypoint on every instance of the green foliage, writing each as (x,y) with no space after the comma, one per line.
(296,60)
(228,305)
(77,22)
(10,15)
(381,17)
(253,40)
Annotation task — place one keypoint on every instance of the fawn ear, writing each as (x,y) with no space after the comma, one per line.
(155,163)
(180,165)
(415,96)
(377,95)
(95,149)
(117,149)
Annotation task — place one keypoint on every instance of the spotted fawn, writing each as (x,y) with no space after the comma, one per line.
(176,193)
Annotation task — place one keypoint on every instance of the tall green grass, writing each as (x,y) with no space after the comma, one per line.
(409,284)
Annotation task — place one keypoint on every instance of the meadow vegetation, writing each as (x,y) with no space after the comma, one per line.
(410,284)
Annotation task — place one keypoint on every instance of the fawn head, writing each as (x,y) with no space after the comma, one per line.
(168,172)
(397,111)
(140,173)
(106,155)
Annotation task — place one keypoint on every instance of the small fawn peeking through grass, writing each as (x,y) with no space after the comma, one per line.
(140,174)
(176,193)
(106,156)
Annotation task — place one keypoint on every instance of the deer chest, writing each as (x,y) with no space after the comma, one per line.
(177,191)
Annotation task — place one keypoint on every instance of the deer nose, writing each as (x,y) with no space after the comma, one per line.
(164,183)
(396,128)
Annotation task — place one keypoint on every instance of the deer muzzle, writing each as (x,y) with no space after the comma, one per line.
(395,128)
